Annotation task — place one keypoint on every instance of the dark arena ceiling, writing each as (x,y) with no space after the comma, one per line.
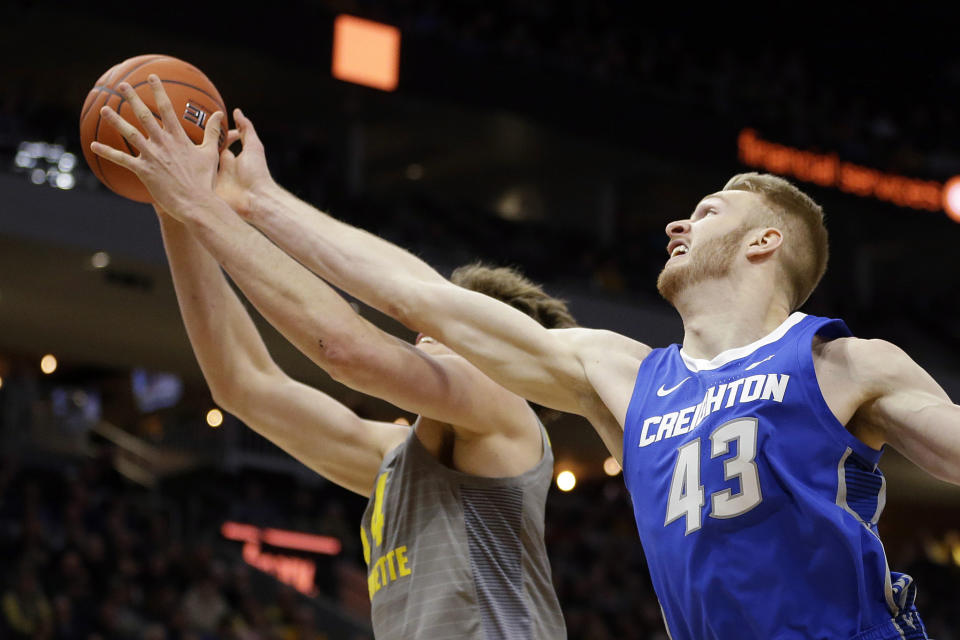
(568,166)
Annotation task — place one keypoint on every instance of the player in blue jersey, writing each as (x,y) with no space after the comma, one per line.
(750,451)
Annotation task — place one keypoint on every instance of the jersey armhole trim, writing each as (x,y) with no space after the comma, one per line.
(818,404)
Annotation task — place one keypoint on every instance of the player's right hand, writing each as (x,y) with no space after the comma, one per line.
(177,173)
(241,177)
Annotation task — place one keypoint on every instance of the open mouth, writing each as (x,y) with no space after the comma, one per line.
(677,247)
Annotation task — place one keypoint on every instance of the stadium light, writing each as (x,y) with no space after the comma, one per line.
(46,162)
(214,418)
(48,364)
(611,467)
(566,480)
(366,52)
(100,260)
(951,198)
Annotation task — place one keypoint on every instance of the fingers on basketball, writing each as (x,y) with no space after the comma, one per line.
(190,92)
(147,119)
(168,116)
(129,132)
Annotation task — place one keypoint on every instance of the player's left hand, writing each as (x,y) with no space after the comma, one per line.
(177,172)
(245,175)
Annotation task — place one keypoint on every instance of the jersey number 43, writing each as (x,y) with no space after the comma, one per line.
(686,493)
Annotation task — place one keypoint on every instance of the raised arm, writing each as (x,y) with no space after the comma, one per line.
(305,309)
(908,408)
(243,378)
(557,368)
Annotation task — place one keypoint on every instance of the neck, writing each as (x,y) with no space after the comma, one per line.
(723,314)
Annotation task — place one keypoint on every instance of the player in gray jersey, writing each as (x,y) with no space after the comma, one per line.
(453,534)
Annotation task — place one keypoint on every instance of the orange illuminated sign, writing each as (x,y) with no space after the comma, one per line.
(827,170)
(281,538)
(297,572)
(366,52)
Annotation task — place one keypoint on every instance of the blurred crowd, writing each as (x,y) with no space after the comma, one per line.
(87,555)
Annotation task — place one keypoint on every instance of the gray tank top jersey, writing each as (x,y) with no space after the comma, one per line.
(456,556)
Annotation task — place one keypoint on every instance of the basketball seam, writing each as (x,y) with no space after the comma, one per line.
(100,89)
(104,89)
(145,62)
(217,103)
(96,136)
(84,113)
(107,84)
(96,130)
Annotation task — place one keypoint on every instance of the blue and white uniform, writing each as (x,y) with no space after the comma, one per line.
(756,507)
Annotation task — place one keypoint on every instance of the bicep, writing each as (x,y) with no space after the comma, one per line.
(318,431)
(504,343)
(440,385)
(924,427)
(912,412)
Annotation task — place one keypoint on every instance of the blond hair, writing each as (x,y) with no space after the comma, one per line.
(805,252)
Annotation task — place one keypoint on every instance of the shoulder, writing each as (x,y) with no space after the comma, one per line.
(872,363)
(610,363)
(488,407)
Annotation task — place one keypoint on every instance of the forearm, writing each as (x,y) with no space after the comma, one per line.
(244,379)
(224,338)
(373,270)
(503,342)
(930,436)
(310,314)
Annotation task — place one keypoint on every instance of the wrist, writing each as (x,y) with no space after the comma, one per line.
(262,200)
(194,208)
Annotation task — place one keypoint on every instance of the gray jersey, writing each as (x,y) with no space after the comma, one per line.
(452,555)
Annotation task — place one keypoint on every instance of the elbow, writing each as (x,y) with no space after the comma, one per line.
(343,360)
(233,391)
(413,308)
(402,311)
(227,396)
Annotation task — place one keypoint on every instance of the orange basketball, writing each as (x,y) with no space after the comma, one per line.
(193,96)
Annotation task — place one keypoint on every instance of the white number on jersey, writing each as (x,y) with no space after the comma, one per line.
(686,493)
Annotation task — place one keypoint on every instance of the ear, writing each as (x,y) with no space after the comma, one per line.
(763,243)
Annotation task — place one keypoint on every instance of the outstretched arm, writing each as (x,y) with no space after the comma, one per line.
(305,309)
(557,368)
(243,378)
(909,409)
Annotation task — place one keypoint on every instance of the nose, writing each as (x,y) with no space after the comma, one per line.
(678,227)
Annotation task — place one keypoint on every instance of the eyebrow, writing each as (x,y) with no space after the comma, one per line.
(717,195)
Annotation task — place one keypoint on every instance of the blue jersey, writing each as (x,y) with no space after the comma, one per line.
(757,509)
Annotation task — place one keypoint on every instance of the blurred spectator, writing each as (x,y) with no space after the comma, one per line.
(26,611)
(204,607)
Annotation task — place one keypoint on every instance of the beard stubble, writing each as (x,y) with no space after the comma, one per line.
(712,259)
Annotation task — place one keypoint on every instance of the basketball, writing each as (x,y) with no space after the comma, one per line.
(191,92)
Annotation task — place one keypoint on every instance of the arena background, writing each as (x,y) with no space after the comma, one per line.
(558,137)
